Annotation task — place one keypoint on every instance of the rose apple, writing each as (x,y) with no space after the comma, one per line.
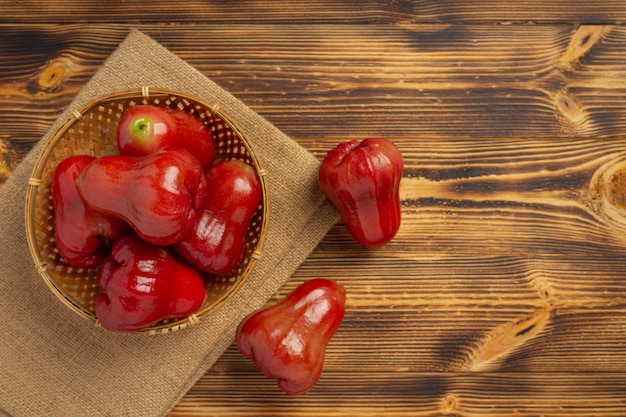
(194,136)
(141,284)
(287,341)
(362,179)
(158,195)
(217,242)
(145,128)
(81,233)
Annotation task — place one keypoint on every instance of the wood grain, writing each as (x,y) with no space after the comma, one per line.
(429,81)
(503,292)
(414,394)
(317,11)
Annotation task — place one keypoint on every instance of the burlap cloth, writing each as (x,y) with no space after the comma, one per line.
(54,363)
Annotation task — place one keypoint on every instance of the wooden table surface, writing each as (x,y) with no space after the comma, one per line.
(504,292)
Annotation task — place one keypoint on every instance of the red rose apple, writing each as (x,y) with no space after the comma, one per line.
(194,136)
(287,340)
(81,233)
(141,284)
(145,128)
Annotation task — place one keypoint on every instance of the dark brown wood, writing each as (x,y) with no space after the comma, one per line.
(317,11)
(504,292)
(421,82)
(413,394)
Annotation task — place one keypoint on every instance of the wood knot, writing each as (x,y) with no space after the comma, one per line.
(570,112)
(449,403)
(616,189)
(582,41)
(608,192)
(52,77)
(542,286)
(507,338)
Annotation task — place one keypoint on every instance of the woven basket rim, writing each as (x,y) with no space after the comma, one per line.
(38,170)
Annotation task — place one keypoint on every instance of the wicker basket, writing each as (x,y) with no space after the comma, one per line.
(91,131)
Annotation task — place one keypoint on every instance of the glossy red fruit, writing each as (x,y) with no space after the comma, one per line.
(362,179)
(217,242)
(158,194)
(81,233)
(145,128)
(194,136)
(287,341)
(142,284)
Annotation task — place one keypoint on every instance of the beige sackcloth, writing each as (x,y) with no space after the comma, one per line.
(54,363)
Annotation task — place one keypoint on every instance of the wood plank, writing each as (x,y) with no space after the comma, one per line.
(469,314)
(513,197)
(432,81)
(414,394)
(318,11)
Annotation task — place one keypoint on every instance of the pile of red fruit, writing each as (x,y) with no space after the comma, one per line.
(155,218)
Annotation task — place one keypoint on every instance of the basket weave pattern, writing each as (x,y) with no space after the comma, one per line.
(91,131)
